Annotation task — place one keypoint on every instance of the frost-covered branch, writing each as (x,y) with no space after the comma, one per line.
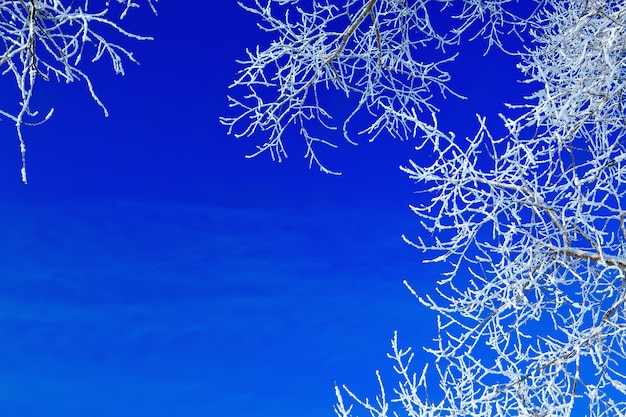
(46,39)
(387,57)
(365,50)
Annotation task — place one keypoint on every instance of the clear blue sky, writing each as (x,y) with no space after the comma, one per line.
(148,269)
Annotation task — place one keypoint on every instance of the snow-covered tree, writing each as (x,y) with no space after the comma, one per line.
(531,314)
(46,40)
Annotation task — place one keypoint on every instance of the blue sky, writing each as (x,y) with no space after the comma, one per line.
(149,269)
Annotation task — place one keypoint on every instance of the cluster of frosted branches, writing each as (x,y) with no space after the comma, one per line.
(532,314)
(540,323)
(386,56)
(46,39)
(536,217)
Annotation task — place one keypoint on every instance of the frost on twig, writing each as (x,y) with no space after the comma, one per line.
(46,40)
